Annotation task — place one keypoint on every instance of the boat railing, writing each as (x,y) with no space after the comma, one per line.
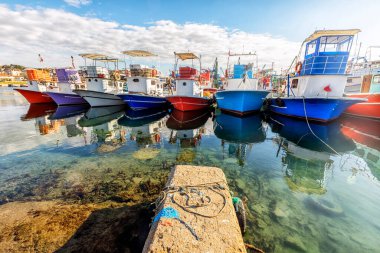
(325,65)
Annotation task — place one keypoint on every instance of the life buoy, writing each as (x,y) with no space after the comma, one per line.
(116,75)
(298,67)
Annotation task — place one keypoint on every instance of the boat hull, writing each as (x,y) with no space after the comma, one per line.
(368,109)
(35,97)
(143,102)
(187,103)
(240,102)
(315,109)
(99,99)
(66,98)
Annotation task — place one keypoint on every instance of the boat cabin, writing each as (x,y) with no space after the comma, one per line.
(326,53)
(41,80)
(141,78)
(241,76)
(322,71)
(187,77)
(98,78)
(68,80)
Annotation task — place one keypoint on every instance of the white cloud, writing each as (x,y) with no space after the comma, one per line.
(57,34)
(77,3)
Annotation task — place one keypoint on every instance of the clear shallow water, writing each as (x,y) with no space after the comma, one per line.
(301,196)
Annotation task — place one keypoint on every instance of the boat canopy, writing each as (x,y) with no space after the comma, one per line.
(321,33)
(186,56)
(99,57)
(138,53)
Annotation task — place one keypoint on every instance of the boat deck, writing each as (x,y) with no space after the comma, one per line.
(195,214)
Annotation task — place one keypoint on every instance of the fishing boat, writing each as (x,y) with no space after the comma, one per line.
(145,90)
(241,94)
(364,82)
(101,85)
(315,90)
(188,96)
(68,80)
(39,81)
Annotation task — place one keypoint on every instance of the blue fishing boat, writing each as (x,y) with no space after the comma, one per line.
(242,94)
(315,89)
(145,91)
(143,102)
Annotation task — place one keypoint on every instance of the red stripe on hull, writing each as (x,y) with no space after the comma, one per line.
(369,109)
(35,97)
(184,103)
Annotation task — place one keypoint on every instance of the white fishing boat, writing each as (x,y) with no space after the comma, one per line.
(101,84)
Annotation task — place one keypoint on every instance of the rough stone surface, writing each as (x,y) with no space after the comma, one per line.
(216,234)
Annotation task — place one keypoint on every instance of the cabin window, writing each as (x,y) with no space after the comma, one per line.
(136,80)
(311,48)
(184,83)
(349,80)
(30,82)
(89,79)
(153,82)
(376,79)
(294,83)
(96,80)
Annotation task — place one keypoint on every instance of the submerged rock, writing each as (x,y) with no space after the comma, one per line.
(295,243)
(146,153)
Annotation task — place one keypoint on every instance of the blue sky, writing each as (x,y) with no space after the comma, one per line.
(273,28)
(293,19)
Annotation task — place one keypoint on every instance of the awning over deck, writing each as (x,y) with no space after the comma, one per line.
(320,33)
(138,53)
(99,57)
(186,56)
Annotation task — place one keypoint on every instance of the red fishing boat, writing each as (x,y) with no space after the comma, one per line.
(369,109)
(364,82)
(188,90)
(35,97)
(40,81)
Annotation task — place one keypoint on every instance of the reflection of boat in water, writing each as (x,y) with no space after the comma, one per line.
(185,120)
(145,124)
(239,130)
(63,112)
(362,130)
(39,110)
(306,158)
(99,115)
(134,118)
(366,133)
(239,133)
(298,132)
(187,127)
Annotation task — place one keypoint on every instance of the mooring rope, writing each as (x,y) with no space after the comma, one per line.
(311,130)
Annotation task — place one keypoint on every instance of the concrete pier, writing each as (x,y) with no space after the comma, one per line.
(195,214)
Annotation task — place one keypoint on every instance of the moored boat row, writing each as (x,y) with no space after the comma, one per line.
(314,91)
